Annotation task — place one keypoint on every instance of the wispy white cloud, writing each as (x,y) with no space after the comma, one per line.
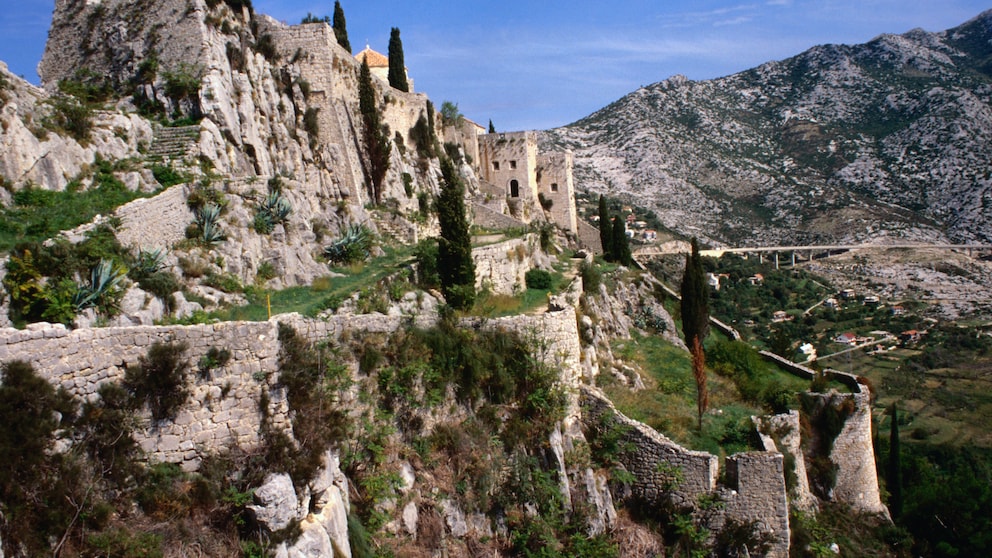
(741,20)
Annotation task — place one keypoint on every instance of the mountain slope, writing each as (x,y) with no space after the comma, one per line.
(890,139)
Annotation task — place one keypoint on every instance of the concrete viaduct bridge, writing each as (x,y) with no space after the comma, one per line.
(795,254)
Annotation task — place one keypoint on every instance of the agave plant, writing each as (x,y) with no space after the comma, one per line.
(104,279)
(207,218)
(149,261)
(353,246)
(272,210)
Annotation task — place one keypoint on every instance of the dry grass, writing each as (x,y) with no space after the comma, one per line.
(635,540)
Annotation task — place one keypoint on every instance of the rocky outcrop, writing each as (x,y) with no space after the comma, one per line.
(781,433)
(875,142)
(34,151)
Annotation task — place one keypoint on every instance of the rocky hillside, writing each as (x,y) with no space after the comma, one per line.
(885,140)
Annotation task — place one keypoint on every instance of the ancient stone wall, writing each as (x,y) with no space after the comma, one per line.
(156,222)
(509,161)
(554,182)
(589,237)
(466,134)
(222,410)
(501,267)
(488,218)
(853,454)
(669,475)
(782,433)
(656,459)
(757,494)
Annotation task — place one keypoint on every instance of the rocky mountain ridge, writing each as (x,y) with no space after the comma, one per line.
(876,142)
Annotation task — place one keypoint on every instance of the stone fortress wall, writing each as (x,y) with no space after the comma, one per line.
(555,183)
(501,267)
(222,411)
(509,161)
(512,163)
(223,408)
(668,474)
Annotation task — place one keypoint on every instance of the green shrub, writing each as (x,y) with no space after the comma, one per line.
(227,282)
(314,382)
(214,358)
(87,86)
(122,543)
(168,176)
(203,194)
(538,279)
(591,277)
(420,133)
(159,380)
(266,46)
(183,83)
(70,116)
(312,125)
(162,284)
(30,409)
(163,493)
(265,272)
(108,425)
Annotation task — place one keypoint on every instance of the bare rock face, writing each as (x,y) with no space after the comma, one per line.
(888,139)
(325,531)
(276,506)
(32,151)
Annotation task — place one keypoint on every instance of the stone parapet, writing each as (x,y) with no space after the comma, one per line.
(222,410)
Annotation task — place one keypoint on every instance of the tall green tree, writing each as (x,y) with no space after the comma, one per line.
(492,129)
(894,477)
(696,323)
(374,139)
(397,68)
(695,298)
(605,230)
(620,243)
(340,28)
(455,267)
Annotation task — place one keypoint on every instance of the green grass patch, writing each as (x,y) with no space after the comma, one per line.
(668,404)
(37,214)
(324,293)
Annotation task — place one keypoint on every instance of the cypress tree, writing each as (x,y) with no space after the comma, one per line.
(695,298)
(620,243)
(374,140)
(397,68)
(492,129)
(455,267)
(699,374)
(605,230)
(894,480)
(340,29)
(696,323)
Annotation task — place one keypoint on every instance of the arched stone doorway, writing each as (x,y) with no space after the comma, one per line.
(514,189)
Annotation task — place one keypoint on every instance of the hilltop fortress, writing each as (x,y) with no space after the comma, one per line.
(275,102)
(254,103)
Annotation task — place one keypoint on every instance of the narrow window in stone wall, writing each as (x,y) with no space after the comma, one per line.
(554,186)
(513,165)
(514,189)
(495,165)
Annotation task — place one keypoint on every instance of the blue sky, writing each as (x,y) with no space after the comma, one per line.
(543,63)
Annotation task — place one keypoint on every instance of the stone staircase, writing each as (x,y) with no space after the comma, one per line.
(173,143)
